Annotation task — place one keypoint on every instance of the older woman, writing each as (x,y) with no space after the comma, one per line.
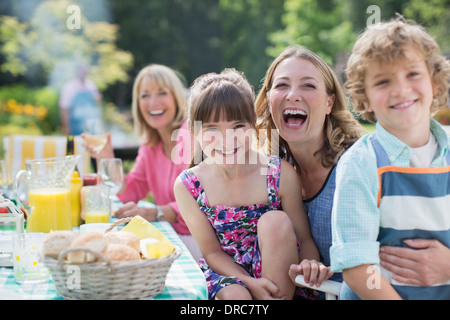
(302,99)
(158,108)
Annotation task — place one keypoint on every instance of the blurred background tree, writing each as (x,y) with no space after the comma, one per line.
(119,37)
(46,51)
(316,24)
(435,16)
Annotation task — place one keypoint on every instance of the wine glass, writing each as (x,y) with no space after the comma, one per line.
(95,134)
(111,174)
(4,181)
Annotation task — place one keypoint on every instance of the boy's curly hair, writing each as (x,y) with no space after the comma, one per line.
(386,42)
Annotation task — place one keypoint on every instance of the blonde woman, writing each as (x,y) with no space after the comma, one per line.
(158,108)
(301,98)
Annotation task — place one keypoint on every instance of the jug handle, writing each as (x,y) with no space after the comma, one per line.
(17,181)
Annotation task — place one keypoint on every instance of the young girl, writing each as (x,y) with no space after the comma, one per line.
(232,200)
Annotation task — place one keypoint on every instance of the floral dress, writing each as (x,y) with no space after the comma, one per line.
(235,227)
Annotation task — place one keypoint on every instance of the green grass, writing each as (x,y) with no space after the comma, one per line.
(369,127)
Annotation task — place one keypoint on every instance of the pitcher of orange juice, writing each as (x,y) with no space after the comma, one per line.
(47,185)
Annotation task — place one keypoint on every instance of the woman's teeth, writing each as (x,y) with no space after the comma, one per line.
(294,117)
(294,112)
(157,112)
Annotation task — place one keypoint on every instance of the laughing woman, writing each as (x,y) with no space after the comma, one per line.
(302,99)
(158,108)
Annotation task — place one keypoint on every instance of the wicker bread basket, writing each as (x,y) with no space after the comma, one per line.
(110,280)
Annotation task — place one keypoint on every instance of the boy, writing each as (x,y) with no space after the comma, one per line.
(393,184)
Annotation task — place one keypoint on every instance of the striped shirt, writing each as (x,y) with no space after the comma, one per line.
(356,216)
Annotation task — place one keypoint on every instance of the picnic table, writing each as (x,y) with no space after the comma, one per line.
(185,280)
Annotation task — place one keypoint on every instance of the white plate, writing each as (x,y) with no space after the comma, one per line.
(5,243)
(9,295)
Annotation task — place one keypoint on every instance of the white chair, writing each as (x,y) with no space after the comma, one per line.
(329,287)
(18,148)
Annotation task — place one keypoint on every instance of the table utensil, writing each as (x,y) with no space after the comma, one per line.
(111,174)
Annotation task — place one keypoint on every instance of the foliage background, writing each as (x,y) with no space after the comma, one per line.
(38,52)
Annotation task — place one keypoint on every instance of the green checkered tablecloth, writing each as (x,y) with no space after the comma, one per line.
(185,280)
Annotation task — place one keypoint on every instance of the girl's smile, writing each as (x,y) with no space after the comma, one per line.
(225,142)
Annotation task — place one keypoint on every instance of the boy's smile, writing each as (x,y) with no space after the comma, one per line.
(404,105)
(401,97)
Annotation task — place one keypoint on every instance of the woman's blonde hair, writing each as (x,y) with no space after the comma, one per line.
(165,77)
(213,95)
(386,43)
(341,128)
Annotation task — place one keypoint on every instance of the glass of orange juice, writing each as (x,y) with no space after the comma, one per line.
(96,204)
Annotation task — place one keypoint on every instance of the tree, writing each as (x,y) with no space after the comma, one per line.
(54,43)
(317,25)
(245,26)
(198,36)
(434,15)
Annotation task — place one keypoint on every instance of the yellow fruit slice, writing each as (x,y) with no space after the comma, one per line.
(144,243)
(144,229)
(158,250)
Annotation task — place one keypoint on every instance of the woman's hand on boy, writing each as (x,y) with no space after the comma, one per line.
(426,263)
(314,272)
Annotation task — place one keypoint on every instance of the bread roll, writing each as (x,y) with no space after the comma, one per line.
(121,252)
(123,237)
(57,241)
(91,240)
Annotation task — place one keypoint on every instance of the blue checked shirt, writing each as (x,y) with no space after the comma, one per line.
(355,214)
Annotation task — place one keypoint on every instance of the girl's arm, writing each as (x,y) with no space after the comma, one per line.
(290,193)
(291,199)
(369,284)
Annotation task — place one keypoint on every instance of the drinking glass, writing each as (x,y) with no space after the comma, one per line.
(95,134)
(28,267)
(96,204)
(4,181)
(111,174)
